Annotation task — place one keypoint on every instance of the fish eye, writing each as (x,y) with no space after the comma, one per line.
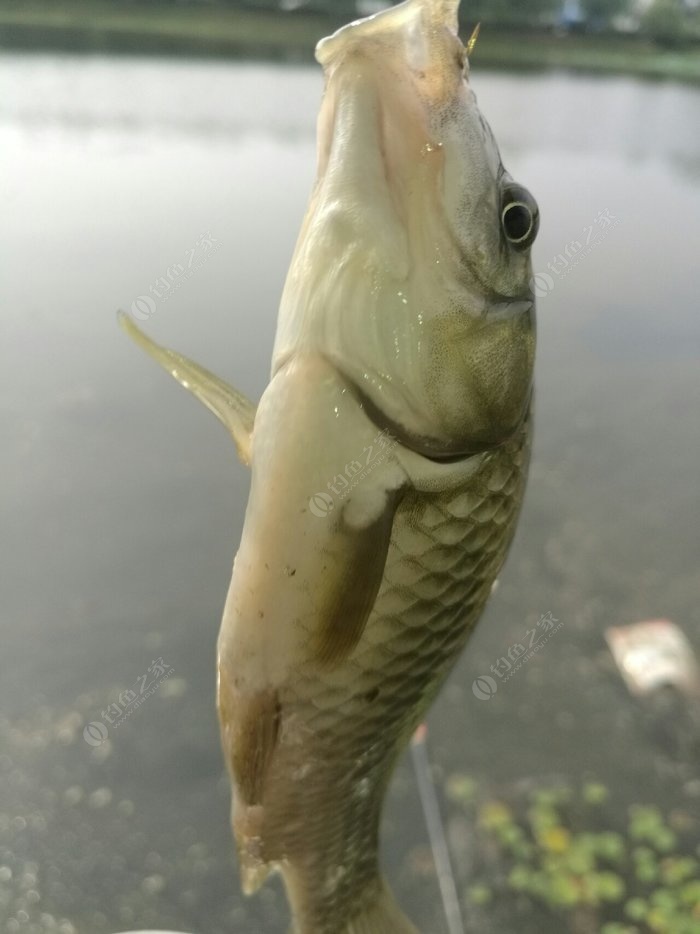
(520,217)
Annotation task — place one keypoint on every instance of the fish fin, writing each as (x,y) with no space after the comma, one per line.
(248,831)
(310,564)
(253,872)
(249,732)
(345,607)
(229,405)
(380,915)
(250,729)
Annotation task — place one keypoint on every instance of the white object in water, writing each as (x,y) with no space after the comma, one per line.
(654,654)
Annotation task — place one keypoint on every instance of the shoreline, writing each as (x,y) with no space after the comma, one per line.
(95,26)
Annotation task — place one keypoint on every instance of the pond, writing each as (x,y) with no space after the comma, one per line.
(122,503)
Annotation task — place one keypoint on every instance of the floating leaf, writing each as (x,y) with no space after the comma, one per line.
(519,878)
(608,886)
(563,890)
(480,894)
(556,839)
(594,793)
(664,840)
(610,846)
(462,789)
(679,869)
(495,814)
(690,895)
(637,909)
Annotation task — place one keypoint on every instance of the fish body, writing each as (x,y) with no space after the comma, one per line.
(389,454)
(333,728)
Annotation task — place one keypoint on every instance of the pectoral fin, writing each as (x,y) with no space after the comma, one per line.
(249,728)
(346,603)
(311,561)
(231,407)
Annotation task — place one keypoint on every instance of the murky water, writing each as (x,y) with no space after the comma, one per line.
(122,502)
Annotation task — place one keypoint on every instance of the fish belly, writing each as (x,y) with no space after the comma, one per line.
(343,728)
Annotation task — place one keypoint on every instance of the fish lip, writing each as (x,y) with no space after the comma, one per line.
(431,14)
(501,307)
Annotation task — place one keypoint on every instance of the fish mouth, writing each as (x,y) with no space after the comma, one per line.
(422,31)
(406,61)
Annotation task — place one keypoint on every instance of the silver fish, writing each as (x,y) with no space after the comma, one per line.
(389,453)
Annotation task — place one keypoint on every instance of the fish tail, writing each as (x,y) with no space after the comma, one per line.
(381,915)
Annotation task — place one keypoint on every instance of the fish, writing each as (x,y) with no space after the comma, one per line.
(388,455)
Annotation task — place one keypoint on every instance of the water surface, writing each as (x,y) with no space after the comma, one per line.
(122,501)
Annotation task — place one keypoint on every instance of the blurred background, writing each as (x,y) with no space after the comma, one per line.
(157,157)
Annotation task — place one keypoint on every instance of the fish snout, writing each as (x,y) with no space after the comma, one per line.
(412,58)
(419,35)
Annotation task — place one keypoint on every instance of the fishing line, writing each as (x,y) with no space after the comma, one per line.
(436,831)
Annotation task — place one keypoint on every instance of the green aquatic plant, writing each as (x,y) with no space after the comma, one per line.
(550,849)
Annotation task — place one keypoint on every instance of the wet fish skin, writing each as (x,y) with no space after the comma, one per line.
(343,727)
(402,382)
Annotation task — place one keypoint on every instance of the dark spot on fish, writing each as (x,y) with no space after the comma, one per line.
(372,695)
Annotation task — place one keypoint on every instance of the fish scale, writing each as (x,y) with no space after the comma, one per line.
(327,823)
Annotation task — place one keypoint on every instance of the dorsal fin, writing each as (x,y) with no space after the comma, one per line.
(229,405)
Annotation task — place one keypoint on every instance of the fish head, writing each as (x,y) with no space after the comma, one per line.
(412,269)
